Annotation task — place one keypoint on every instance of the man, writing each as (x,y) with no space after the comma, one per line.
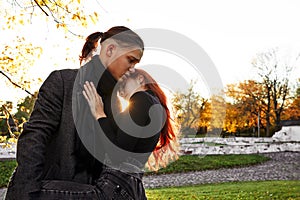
(49,147)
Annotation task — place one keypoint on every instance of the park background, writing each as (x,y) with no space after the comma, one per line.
(254,45)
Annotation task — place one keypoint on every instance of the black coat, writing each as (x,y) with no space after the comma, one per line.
(49,147)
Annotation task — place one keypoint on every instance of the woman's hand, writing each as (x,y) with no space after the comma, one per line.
(94,100)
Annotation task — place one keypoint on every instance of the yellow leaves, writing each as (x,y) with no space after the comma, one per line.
(63,26)
(74,17)
(12,18)
(94,17)
(14,21)
(44,3)
(12,140)
(17,59)
(6,58)
(3,139)
(70,13)
(40,2)
(61,3)
(28,51)
(6,143)
(23,108)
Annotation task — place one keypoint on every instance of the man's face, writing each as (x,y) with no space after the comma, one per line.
(123,61)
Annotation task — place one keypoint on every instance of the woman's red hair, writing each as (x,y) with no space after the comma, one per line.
(167,147)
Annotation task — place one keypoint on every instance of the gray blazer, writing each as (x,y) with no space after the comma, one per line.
(49,147)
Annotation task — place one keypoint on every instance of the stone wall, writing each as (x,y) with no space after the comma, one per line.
(7,151)
(287,139)
(236,145)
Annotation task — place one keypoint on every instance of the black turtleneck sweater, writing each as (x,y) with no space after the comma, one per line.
(131,143)
(137,142)
(95,72)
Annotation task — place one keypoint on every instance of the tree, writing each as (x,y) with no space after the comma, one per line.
(274,69)
(218,113)
(190,110)
(298,89)
(5,106)
(8,120)
(16,60)
(292,112)
(64,14)
(233,119)
(25,108)
(19,54)
(247,102)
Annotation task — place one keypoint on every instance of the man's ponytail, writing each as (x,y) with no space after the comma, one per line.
(89,45)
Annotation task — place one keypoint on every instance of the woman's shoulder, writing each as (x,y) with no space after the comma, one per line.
(140,103)
(147,96)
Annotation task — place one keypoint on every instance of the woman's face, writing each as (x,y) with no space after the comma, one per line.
(129,87)
(122,61)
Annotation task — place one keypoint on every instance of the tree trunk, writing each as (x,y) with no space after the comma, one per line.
(268,111)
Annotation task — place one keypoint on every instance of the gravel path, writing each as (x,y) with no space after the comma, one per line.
(282,166)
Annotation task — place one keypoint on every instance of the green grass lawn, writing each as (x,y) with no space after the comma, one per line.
(6,169)
(265,190)
(197,163)
(230,190)
(183,164)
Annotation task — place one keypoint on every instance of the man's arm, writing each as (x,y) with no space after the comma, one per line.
(38,131)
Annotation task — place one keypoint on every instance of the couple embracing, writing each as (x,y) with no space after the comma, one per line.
(78,144)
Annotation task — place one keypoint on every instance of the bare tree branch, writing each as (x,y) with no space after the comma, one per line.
(41,8)
(15,84)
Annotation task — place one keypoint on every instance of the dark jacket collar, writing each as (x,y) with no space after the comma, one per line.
(106,82)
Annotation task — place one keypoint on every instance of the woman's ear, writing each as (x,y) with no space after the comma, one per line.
(141,79)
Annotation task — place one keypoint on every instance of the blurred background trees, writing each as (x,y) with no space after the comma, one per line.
(21,48)
(192,111)
(62,14)
(252,107)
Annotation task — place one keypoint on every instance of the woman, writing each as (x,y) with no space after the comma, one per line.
(90,47)
(121,177)
(142,92)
